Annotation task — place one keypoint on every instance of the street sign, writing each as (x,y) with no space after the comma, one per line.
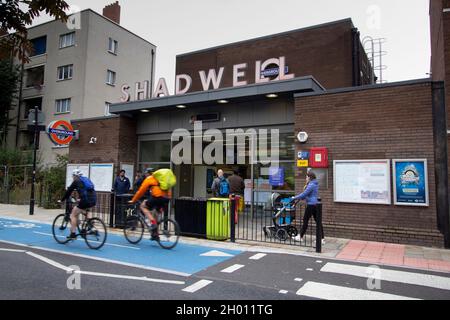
(61,132)
(32,117)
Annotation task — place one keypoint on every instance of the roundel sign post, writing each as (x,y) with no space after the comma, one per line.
(61,132)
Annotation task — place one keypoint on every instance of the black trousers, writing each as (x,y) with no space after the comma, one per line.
(310,211)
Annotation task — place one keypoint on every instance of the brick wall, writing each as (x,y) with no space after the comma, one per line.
(116,141)
(324,52)
(382,123)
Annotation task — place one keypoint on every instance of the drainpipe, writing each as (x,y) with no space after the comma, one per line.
(440,159)
(152,75)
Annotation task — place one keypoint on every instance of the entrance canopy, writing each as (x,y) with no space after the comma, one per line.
(286,88)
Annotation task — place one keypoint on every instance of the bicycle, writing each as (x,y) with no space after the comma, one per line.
(92,230)
(136,224)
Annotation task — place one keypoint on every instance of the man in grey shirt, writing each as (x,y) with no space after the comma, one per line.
(215,188)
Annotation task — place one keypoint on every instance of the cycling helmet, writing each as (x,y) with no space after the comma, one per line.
(77,173)
(149,170)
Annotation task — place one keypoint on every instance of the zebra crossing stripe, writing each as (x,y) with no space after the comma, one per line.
(331,292)
(418,279)
(197,286)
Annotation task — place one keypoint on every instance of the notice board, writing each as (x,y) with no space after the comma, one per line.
(84,168)
(362,181)
(102,176)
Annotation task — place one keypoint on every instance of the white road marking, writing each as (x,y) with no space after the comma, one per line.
(197,286)
(233,268)
(418,279)
(283,291)
(12,250)
(298,279)
(118,276)
(98,274)
(258,256)
(106,243)
(178,273)
(331,292)
(216,253)
(49,261)
(319,261)
(309,269)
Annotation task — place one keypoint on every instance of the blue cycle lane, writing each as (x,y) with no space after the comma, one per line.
(184,259)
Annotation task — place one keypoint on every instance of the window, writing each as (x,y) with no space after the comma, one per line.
(65,72)
(111,78)
(107,105)
(31,104)
(35,77)
(113,45)
(63,105)
(67,40)
(39,46)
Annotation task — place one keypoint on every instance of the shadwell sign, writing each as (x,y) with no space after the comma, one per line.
(212,78)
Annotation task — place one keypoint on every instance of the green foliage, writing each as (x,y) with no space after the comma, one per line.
(53,182)
(9,83)
(17,16)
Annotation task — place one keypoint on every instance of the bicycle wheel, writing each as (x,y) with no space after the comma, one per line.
(95,233)
(61,228)
(169,233)
(134,229)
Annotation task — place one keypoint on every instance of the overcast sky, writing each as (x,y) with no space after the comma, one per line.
(176,26)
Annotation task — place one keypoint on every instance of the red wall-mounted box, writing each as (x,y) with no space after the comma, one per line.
(318,158)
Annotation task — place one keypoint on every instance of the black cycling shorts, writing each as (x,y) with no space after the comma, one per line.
(156,203)
(84,205)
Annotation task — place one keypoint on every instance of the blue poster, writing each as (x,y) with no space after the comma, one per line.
(411,182)
(276,176)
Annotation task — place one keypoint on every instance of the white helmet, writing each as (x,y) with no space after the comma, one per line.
(77,172)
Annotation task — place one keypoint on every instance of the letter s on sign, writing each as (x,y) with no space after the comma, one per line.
(125,94)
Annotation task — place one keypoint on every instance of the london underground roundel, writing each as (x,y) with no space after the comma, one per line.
(61,132)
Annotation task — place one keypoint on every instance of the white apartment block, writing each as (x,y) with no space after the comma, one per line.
(76,71)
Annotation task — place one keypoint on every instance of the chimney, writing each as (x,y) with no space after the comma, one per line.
(112,12)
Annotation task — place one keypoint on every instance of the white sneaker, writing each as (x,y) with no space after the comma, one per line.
(323,241)
(298,238)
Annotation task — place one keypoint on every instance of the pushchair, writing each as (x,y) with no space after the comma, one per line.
(283,216)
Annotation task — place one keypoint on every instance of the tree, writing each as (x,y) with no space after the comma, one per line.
(9,84)
(16,16)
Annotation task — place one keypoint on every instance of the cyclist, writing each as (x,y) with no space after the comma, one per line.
(88,199)
(157,200)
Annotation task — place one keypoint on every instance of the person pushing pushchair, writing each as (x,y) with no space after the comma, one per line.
(311,196)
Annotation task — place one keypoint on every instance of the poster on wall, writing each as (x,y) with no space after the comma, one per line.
(362,181)
(276,176)
(129,171)
(84,168)
(410,182)
(102,176)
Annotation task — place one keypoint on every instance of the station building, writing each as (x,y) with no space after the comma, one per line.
(317,81)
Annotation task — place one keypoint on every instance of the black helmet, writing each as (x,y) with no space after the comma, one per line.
(149,170)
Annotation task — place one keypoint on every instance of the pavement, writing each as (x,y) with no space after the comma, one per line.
(426,258)
(34,266)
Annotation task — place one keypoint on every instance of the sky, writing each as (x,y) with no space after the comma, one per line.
(180,26)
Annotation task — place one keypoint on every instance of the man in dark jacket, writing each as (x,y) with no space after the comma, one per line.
(237,185)
(122,184)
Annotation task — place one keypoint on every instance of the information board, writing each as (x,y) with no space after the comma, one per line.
(362,181)
(102,176)
(410,182)
(84,168)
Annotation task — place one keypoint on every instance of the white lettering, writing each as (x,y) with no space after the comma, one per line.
(258,69)
(238,73)
(283,75)
(188,85)
(125,94)
(161,89)
(141,93)
(212,77)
